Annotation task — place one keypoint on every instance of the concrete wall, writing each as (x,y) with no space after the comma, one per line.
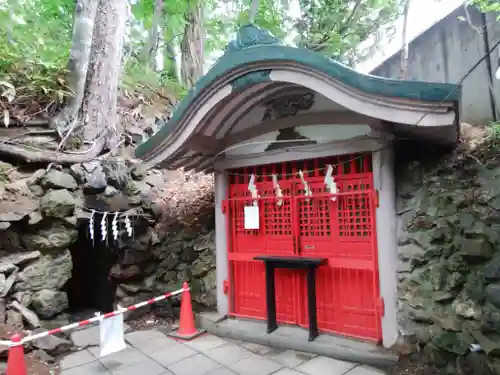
(446,52)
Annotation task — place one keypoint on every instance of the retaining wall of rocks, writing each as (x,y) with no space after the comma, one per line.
(41,212)
(449,259)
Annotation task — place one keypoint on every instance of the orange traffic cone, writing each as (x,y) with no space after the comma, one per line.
(16,365)
(187,329)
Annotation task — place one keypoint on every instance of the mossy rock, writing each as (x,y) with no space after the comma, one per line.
(438,276)
(492,269)
(473,363)
(58,204)
(492,294)
(437,357)
(490,321)
(475,285)
(476,250)
(454,281)
(457,343)
(456,263)
(196,286)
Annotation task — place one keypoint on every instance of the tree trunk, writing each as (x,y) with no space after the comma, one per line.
(10,26)
(99,109)
(154,34)
(83,30)
(405,46)
(95,68)
(170,61)
(192,45)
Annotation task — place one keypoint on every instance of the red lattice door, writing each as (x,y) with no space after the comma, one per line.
(338,227)
(275,237)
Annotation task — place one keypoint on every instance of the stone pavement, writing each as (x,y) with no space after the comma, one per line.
(153,353)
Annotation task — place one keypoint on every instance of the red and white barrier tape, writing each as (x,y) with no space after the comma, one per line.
(92,320)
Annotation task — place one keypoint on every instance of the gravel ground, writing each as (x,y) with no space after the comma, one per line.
(413,366)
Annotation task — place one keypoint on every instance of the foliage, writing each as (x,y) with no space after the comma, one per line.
(493,130)
(227,17)
(487,5)
(35,39)
(339,28)
(173,20)
(34,62)
(346,30)
(136,78)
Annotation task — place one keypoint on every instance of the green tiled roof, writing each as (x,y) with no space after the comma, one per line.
(254,45)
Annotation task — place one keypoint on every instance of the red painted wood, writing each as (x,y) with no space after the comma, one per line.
(341,230)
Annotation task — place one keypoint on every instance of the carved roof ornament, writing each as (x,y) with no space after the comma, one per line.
(251,36)
(288,105)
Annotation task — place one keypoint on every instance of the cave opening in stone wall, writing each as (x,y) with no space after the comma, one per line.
(90,288)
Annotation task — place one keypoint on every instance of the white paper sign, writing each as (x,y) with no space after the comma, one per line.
(111,332)
(251,217)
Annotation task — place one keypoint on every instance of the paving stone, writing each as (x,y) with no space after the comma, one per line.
(139,337)
(148,367)
(153,353)
(323,365)
(256,348)
(222,371)
(196,365)
(172,354)
(289,358)
(255,365)
(235,341)
(86,337)
(90,336)
(77,359)
(205,342)
(288,371)
(126,357)
(365,370)
(96,351)
(228,354)
(92,368)
(155,344)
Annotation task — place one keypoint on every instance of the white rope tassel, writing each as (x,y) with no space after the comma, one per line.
(91,226)
(114,226)
(128,226)
(253,189)
(277,190)
(104,227)
(331,186)
(307,190)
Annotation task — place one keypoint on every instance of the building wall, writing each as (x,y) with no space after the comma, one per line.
(446,52)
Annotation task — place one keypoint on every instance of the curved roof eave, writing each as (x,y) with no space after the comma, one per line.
(254,50)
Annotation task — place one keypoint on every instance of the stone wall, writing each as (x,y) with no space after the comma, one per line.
(449,257)
(40,216)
